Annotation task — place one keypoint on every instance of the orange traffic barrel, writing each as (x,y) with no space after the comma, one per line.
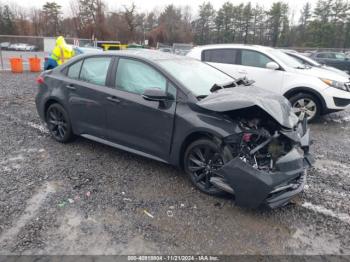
(16,65)
(34,64)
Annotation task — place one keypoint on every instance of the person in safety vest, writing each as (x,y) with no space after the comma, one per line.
(60,54)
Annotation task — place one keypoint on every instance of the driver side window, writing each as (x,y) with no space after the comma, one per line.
(135,77)
(253,58)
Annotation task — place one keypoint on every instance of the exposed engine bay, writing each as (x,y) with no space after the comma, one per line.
(260,143)
(266,153)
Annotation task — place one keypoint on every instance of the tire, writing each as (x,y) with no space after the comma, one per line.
(306,104)
(59,124)
(194,161)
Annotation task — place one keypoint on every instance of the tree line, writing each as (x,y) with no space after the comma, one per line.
(327,24)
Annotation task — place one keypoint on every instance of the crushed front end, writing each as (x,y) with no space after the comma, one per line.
(270,162)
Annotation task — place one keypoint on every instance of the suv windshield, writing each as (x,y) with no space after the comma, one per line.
(196,76)
(310,60)
(286,59)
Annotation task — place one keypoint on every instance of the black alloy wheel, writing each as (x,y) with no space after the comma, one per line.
(202,158)
(58,123)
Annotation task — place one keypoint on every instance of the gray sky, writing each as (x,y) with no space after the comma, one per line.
(149,5)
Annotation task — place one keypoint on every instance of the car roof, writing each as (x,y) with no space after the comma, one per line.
(152,55)
(328,52)
(216,46)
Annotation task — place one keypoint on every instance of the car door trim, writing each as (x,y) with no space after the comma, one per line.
(125,148)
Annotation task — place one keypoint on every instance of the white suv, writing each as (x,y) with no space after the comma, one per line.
(311,91)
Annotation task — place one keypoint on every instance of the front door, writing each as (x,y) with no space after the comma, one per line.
(252,65)
(132,121)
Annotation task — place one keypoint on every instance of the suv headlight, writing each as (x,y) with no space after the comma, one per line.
(336,84)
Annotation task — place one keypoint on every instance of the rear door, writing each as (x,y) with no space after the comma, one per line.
(86,85)
(132,121)
(224,59)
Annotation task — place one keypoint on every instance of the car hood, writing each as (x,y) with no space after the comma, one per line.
(336,70)
(323,73)
(240,97)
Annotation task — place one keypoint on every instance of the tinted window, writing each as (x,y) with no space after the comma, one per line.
(225,56)
(74,70)
(95,70)
(324,55)
(253,58)
(135,76)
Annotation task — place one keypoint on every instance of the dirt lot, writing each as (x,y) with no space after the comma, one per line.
(87,198)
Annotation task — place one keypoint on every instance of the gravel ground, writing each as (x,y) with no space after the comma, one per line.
(87,198)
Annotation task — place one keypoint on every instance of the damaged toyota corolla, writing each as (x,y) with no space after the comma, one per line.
(228,135)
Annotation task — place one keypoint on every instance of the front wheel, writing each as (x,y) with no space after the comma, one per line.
(305,105)
(201,159)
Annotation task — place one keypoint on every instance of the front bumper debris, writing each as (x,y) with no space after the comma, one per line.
(253,187)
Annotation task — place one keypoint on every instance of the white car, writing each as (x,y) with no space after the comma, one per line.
(311,91)
(19,46)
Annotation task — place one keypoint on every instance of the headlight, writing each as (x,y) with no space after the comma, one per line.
(336,84)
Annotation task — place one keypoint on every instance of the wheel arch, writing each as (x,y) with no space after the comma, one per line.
(307,90)
(51,101)
(191,138)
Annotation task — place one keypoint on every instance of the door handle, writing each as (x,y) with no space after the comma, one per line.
(242,72)
(70,87)
(113,99)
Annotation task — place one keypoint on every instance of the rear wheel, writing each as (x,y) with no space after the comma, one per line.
(58,122)
(305,105)
(201,159)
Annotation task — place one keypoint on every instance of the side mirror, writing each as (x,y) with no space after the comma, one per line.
(272,66)
(154,94)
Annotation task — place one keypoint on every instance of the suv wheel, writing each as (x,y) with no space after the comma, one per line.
(58,123)
(305,105)
(201,159)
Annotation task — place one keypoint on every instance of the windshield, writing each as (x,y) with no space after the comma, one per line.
(196,76)
(310,60)
(304,59)
(286,59)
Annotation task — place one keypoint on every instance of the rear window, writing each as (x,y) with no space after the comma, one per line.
(95,70)
(224,56)
(325,55)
